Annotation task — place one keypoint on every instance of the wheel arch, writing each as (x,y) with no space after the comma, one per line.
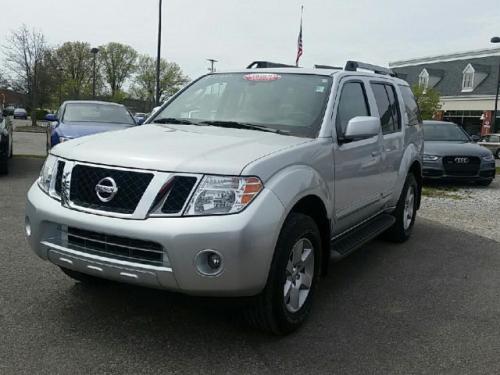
(313,206)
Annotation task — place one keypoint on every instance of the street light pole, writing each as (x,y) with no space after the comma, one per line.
(94,52)
(496,39)
(158,56)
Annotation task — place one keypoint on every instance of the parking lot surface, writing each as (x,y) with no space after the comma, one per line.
(429,306)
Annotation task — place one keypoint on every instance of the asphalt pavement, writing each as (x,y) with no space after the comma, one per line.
(429,306)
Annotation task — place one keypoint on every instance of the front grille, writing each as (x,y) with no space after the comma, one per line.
(179,193)
(59,177)
(116,247)
(131,187)
(453,168)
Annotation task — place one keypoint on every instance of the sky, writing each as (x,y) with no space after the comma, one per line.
(237,32)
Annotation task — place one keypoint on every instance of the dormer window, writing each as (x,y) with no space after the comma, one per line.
(468,78)
(423,79)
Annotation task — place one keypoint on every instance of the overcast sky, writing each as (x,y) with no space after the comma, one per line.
(236,32)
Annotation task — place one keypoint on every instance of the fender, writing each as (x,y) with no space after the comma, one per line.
(411,154)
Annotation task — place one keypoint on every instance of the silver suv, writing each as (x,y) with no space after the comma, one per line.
(245,183)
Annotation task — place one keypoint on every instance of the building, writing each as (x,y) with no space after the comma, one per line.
(467,83)
(10,97)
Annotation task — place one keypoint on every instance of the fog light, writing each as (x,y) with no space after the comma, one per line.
(27,226)
(209,262)
(214,261)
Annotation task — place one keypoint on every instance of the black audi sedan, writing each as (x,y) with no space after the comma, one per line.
(451,154)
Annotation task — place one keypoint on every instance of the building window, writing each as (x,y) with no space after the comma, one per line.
(423,79)
(468,79)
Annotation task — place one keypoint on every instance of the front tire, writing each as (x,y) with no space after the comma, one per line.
(405,212)
(286,300)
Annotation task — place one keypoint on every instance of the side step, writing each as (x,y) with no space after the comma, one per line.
(354,239)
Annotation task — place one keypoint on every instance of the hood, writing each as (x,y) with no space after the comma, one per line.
(80,129)
(454,148)
(178,148)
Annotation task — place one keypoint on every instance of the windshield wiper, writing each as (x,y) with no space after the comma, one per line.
(172,120)
(243,125)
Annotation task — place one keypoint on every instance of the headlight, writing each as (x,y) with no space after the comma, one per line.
(219,195)
(430,157)
(47,173)
(489,157)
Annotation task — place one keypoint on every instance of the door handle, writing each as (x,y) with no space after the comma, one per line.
(375,153)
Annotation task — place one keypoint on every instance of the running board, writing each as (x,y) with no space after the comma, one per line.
(354,239)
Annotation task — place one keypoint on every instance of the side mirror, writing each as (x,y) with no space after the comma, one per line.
(475,138)
(362,127)
(50,117)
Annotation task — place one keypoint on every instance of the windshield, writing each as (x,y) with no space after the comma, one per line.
(94,112)
(445,132)
(292,104)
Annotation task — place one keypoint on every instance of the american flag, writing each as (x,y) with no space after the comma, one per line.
(299,41)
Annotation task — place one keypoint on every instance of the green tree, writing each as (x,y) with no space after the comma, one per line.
(428,101)
(75,65)
(171,79)
(118,63)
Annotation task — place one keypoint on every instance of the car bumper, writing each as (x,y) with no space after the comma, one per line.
(436,171)
(246,242)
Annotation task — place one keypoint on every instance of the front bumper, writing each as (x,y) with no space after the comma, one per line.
(436,171)
(246,242)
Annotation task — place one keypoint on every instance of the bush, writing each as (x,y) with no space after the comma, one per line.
(40,114)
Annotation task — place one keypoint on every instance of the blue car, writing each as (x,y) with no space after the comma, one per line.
(78,118)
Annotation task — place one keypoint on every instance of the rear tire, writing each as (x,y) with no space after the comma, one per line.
(84,278)
(286,300)
(497,154)
(405,212)
(4,160)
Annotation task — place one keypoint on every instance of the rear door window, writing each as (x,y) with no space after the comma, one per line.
(388,108)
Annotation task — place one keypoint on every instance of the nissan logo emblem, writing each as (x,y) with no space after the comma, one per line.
(461,160)
(106,189)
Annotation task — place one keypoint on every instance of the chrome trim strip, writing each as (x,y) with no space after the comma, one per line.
(104,259)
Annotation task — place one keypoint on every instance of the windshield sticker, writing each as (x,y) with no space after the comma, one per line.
(320,88)
(262,77)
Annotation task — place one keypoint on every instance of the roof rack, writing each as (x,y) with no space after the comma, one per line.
(319,66)
(353,66)
(268,64)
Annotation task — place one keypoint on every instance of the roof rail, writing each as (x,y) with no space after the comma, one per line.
(319,66)
(353,66)
(268,64)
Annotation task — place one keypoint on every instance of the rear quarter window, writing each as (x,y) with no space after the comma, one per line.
(411,106)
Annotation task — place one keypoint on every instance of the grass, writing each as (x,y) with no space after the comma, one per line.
(30,129)
(30,156)
(441,192)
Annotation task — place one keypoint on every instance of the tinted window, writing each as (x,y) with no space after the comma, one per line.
(494,138)
(94,112)
(352,103)
(294,103)
(387,107)
(410,106)
(444,132)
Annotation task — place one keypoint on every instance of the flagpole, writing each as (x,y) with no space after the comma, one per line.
(299,41)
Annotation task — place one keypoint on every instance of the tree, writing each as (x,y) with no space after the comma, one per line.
(25,54)
(118,64)
(75,65)
(171,79)
(428,101)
